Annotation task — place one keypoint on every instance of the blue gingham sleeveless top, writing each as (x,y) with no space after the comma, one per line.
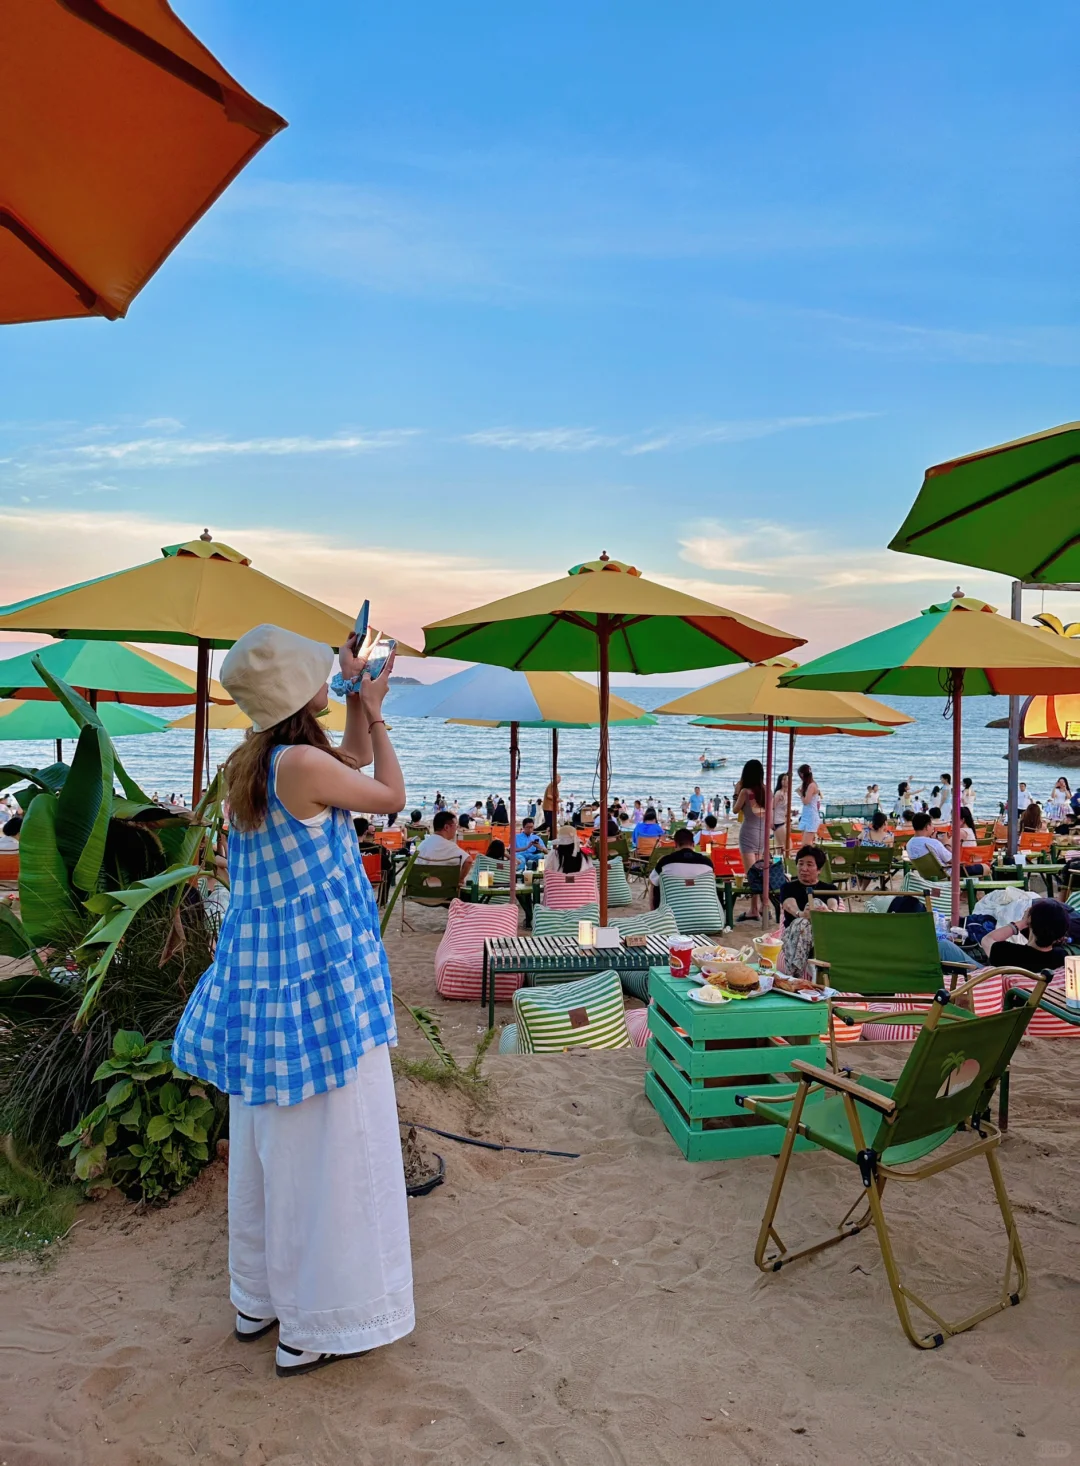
(300,985)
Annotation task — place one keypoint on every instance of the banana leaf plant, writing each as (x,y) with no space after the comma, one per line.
(91,859)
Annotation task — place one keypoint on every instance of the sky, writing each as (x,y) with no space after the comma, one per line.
(705,285)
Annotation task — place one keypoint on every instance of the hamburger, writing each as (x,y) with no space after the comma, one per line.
(737,977)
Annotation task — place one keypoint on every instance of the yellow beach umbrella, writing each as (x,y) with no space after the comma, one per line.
(231,718)
(756,693)
(202,593)
(604,615)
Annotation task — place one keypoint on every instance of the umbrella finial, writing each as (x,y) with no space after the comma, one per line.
(207,536)
(604,555)
(958,594)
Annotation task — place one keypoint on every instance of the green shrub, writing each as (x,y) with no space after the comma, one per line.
(150,1135)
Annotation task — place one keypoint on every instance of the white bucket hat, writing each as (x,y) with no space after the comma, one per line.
(271,673)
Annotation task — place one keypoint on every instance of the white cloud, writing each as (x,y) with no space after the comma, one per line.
(542,440)
(161,451)
(584,440)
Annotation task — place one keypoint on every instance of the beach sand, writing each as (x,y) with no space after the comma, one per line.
(603,1311)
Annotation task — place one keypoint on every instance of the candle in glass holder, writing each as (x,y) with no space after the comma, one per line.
(484,880)
(585,931)
(1072,982)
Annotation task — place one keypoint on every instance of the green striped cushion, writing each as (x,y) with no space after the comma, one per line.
(940,891)
(548,923)
(508,1040)
(660,922)
(694,902)
(587,1014)
(500,869)
(618,887)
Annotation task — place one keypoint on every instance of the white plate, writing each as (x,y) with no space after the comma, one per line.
(695,993)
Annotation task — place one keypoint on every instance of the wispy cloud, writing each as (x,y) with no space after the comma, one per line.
(586,440)
(141,452)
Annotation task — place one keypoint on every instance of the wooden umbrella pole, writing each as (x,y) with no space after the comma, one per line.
(765,908)
(202,692)
(790,782)
(512,852)
(957,827)
(604,631)
(59,750)
(555,811)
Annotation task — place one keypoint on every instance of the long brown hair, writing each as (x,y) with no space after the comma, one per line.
(247,769)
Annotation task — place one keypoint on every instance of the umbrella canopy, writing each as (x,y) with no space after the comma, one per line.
(756,693)
(916,658)
(104,671)
(604,614)
(557,627)
(231,718)
(202,593)
(40,720)
(798,726)
(960,646)
(1014,508)
(495,697)
(118,131)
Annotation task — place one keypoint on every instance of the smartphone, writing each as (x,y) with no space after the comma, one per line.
(380,654)
(360,629)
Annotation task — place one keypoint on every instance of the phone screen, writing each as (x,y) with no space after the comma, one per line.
(380,655)
(360,629)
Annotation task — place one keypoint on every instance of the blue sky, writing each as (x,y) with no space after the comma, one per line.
(705,285)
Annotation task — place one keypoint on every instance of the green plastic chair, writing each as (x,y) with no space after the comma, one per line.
(933,1114)
(428,885)
(874,862)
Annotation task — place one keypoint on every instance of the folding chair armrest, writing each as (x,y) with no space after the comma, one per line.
(960,966)
(845,1085)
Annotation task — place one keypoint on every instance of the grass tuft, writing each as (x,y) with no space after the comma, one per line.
(33,1212)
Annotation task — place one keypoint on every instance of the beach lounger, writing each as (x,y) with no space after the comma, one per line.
(931,1119)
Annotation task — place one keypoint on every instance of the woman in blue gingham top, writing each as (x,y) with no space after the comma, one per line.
(294,1019)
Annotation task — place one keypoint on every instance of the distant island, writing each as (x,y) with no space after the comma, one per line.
(405,682)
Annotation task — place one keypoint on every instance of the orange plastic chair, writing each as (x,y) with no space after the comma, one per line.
(9,865)
(728,863)
(1036,840)
(372,866)
(977,854)
(646,845)
(501,832)
(712,838)
(390,839)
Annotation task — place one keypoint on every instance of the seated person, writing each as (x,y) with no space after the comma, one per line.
(708,828)
(496,850)
(566,853)
(528,844)
(1031,821)
(877,832)
(925,842)
(464,821)
(1046,926)
(440,848)
(370,846)
(9,839)
(612,823)
(648,828)
(903,824)
(684,861)
(804,889)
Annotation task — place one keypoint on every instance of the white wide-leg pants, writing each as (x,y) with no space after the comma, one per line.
(318,1216)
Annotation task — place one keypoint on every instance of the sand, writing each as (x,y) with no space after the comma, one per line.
(603,1311)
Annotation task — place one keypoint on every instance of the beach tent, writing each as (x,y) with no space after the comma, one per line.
(604,616)
(202,593)
(1015,509)
(959,646)
(756,694)
(104,671)
(231,718)
(118,130)
(496,697)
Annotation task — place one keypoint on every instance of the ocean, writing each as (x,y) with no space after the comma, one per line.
(661,763)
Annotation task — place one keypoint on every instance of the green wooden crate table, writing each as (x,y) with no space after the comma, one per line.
(699,1058)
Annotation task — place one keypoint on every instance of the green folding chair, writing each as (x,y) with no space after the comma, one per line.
(428,885)
(934,1114)
(873,862)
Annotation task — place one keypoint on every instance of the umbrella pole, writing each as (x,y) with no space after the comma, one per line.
(202,690)
(512,852)
(765,908)
(957,842)
(555,812)
(59,750)
(790,780)
(1012,813)
(605,699)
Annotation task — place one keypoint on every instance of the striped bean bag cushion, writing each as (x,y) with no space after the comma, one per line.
(986,1000)
(618,887)
(459,958)
(1045,1025)
(586,1014)
(940,891)
(660,922)
(547,923)
(693,901)
(637,1025)
(561,891)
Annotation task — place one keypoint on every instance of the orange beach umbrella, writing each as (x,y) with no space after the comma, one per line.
(118,130)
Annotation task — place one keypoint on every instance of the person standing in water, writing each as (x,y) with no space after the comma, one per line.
(294,1020)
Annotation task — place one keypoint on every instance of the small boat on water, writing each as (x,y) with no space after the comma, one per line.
(710,763)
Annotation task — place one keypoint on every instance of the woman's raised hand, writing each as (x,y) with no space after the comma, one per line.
(372,691)
(351,663)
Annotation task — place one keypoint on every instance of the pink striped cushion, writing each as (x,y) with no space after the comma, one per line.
(459,959)
(637,1024)
(1045,1025)
(845,1034)
(986,999)
(562,891)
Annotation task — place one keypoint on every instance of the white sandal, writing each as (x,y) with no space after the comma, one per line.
(291,1361)
(248,1329)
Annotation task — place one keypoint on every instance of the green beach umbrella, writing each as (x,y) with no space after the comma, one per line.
(37,721)
(604,616)
(961,646)
(1014,509)
(104,671)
